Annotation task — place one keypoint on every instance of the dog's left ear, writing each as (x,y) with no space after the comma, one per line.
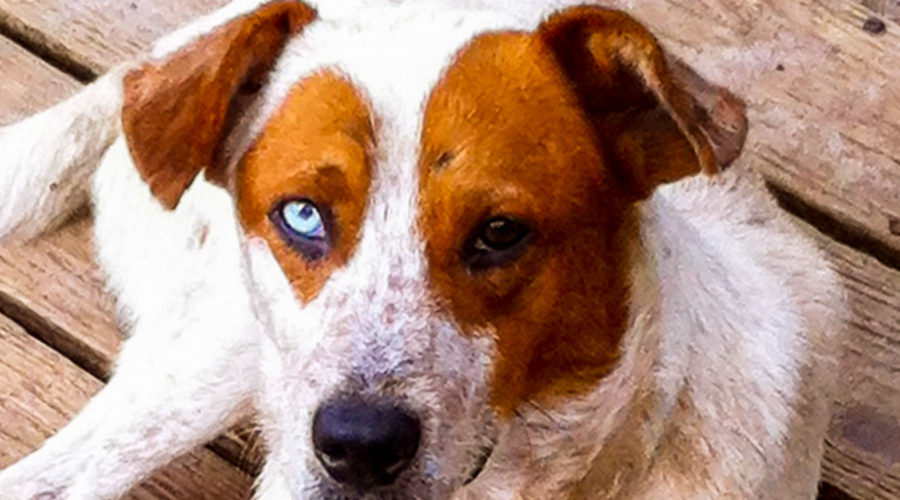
(659,120)
(176,110)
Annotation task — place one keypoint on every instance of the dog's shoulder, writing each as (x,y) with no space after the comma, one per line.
(743,248)
(742,289)
(750,312)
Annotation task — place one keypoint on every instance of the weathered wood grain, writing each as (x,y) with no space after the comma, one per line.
(95,34)
(825,114)
(889,9)
(39,281)
(863,454)
(28,84)
(43,283)
(41,391)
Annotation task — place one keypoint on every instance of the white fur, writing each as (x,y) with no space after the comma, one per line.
(48,158)
(723,329)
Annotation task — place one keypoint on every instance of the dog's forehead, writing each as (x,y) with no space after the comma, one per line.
(393,56)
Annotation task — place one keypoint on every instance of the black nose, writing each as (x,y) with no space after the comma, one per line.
(364,444)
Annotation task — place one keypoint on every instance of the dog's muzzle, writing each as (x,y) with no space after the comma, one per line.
(365,445)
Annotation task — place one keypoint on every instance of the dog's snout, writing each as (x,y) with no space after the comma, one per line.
(364,444)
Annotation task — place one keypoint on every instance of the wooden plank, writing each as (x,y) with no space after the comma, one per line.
(863,453)
(41,391)
(55,269)
(823,101)
(54,276)
(96,34)
(52,286)
(19,96)
(824,112)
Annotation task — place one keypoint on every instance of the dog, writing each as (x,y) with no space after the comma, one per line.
(460,249)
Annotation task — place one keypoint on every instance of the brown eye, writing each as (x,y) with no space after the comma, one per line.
(498,241)
(500,234)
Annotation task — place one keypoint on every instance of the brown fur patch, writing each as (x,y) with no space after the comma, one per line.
(563,129)
(175,114)
(521,146)
(315,147)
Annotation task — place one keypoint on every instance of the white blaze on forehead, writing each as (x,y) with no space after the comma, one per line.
(394,59)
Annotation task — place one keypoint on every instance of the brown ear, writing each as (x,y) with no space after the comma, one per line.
(659,120)
(176,110)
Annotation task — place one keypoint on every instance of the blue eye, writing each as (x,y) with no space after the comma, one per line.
(303,219)
(303,226)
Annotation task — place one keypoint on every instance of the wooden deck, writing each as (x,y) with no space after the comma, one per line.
(822,81)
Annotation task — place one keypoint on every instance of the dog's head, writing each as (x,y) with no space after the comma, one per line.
(438,209)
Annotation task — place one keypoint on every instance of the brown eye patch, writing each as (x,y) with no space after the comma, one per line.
(303,184)
(525,229)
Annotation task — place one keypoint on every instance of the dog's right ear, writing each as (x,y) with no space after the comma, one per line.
(176,110)
(661,121)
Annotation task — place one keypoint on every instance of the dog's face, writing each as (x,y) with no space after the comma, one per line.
(437,237)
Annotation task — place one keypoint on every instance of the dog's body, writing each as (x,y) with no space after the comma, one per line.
(704,375)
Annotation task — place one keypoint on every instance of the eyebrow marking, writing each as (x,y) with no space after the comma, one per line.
(317,147)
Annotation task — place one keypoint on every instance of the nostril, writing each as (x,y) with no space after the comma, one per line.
(365,444)
(332,456)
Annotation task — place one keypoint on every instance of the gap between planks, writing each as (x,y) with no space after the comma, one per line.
(45,48)
(845,233)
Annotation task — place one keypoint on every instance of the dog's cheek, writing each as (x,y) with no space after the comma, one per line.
(463,428)
(272,296)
